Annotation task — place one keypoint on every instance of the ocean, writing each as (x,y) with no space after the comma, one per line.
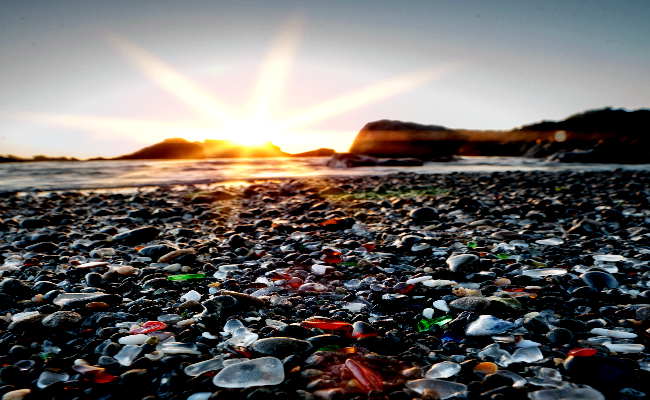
(70,175)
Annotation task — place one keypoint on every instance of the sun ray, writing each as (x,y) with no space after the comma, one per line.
(368,95)
(138,129)
(275,69)
(170,79)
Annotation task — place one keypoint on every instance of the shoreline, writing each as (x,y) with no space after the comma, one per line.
(405,264)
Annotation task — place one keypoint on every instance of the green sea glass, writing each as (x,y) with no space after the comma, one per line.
(427,324)
(184,277)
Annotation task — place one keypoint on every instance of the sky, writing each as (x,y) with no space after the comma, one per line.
(88,78)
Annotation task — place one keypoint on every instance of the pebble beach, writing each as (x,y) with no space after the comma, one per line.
(502,285)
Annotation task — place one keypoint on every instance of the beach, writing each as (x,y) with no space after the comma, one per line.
(482,285)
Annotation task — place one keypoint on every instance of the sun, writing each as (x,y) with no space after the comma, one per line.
(217,122)
(252,134)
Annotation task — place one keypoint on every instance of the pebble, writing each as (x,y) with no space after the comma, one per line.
(518,304)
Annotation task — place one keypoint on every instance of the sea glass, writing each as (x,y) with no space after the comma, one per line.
(625,347)
(149,326)
(572,393)
(487,325)
(242,337)
(185,277)
(191,295)
(179,348)
(127,354)
(613,333)
(443,369)
(47,378)
(549,242)
(582,352)
(232,325)
(428,324)
(527,355)
(445,389)
(326,323)
(95,374)
(204,366)
(544,272)
(263,371)
(368,378)
(441,305)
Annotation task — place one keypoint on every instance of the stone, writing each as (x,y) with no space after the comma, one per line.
(263,371)
(29,324)
(598,371)
(281,346)
(137,236)
(476,304)
(462,263)
(423,214)
(63,320)
(598,280)
(559,336)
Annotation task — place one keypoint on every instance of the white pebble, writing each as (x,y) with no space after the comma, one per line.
(427,313)
(613,333)
(173,268)
(191,295)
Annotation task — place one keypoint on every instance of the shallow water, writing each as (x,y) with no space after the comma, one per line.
(60,175)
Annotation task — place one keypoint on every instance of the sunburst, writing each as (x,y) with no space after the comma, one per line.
(217,121)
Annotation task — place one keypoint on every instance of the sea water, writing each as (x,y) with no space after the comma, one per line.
(68,175)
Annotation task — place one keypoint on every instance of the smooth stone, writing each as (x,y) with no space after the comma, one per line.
(62,319)
(133,339)
(423,214)
(613,333)
(137,236)
(642,314)
(598,280)
(559,336)
(157,251)
(16,394)
(445,389)
(263,371)
(92,264)
(487,325)
(462,262)
(281,346)
(28,323)
(476,304)
(598,371)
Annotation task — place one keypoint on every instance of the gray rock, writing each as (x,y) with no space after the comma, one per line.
(643,313)
(599,280)
(62,319)
(470,304)
(28,323)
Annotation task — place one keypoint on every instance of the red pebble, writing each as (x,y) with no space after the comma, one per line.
(582,352)
(368,378)
(149,326)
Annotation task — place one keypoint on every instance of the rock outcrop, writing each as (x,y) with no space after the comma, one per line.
(348,160)
(387,138)
(168,149)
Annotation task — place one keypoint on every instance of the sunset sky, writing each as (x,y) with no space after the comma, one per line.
(90,78)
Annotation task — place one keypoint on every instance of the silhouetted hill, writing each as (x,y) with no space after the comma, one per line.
(604,136)
(168,149)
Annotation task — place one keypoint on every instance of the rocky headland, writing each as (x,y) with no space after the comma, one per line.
(596,136)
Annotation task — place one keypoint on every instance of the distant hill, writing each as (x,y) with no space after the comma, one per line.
(181,149)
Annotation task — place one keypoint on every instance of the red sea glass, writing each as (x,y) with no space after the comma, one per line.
(95,374)
(403,287)
(149,326)
(295,282)
(582,352)
(326,323)
(368,378)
